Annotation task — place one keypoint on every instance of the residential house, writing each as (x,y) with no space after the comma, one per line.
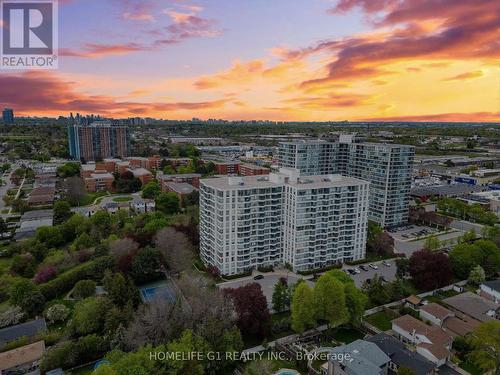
(86,211)
(23,360)
(456,324)
(358,358)
(434,313)
(475,306)
(29,330)
(432,342)
(401,356)
(413,302)
(490,290)
(140,205)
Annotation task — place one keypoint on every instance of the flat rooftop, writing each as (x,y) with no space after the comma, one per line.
(181,187)
(279,179)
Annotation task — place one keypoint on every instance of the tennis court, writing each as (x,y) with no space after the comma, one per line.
(157,291)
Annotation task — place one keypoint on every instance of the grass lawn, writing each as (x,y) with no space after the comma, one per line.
(122,199)
(435,299)
(381,320)
(277,364)
(448,293)
(347,335)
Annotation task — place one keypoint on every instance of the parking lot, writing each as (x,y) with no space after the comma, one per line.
(411,232)
(361,275)
(267,283)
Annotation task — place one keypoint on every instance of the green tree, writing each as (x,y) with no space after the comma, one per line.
(485,253)
(50,236)
(485,341)
(68,170)
(432,243)
(302,307)
(89,316)
(477,275)
(188,343)
(62,212)
(281,296)
(134,363)
(120,290)
(84,289)
(355,301)
(168,203)
(146,266)
(329,300)
(27,296)
(151,190)
(377,292)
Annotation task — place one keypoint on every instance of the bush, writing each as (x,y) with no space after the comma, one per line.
(265,268)
(57,313)
(45,274)
(23,265)
(11,316)
(67,280)
(73,353)
(27,296)
(84,289)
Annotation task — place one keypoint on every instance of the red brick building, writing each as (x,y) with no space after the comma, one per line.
(192,179)
(227,168)
(252,170)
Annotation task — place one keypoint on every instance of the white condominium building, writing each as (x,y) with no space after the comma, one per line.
(307,222)
(386,166)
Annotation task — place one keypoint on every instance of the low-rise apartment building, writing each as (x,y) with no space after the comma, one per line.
(252,170)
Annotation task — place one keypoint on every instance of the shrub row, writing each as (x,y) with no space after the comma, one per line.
(67,280)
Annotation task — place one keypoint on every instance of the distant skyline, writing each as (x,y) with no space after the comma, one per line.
(286,60)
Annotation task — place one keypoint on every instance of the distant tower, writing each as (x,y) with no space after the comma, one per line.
(8,116)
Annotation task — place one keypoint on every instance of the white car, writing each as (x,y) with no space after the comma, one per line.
(371,265)
(357,270)
(386,263)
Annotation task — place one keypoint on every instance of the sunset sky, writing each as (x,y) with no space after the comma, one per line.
(270,59)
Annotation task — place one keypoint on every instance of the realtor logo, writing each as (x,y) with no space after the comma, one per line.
(29,34)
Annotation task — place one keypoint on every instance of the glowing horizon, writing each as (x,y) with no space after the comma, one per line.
(301,60)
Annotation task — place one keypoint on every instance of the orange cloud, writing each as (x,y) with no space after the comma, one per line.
(35,92)
(465,76)
(93,50)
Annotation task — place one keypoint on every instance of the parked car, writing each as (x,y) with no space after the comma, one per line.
(371,265)
(384,279)
(357,270)
(386,263)
(351,271)
(363,267)
(258,277)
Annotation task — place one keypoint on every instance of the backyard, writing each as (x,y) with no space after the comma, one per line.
(382,320)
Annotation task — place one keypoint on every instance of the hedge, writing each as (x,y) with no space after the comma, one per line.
(67,280)
(69,354)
